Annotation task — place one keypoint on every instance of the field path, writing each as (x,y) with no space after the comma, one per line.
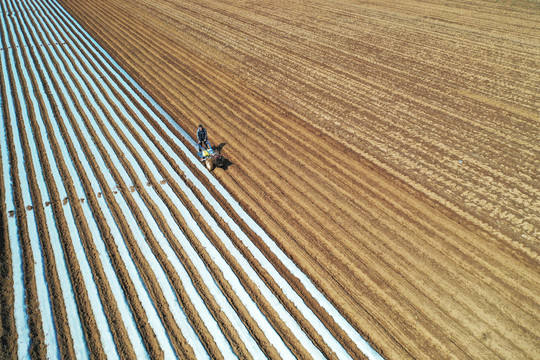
(389,148)
(116,241)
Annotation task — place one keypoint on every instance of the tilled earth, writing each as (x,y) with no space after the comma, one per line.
(116,242)
(390,148)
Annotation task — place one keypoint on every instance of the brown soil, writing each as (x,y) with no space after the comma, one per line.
(37,345)
(59,311)
(390,149)
(8,338)
(408,225)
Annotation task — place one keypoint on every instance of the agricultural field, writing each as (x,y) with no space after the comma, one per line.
(381,196)
(117,243)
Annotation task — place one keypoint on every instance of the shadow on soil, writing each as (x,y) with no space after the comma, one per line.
(226,162)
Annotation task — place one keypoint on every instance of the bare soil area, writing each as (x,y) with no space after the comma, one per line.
(390,148)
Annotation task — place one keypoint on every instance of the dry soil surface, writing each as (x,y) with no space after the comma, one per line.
(390,148)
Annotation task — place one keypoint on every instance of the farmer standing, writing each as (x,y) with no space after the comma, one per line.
(202,137)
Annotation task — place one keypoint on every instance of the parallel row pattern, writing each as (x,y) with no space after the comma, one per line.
(445,96)
(420,261)
(113,246)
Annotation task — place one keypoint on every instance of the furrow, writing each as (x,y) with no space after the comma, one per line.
(170,71)
(10,288)
(75,203)
(35,296)
(45,220)
(526,225)
(208,261)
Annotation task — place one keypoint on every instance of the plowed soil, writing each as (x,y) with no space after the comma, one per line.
(391,149)
(118,243)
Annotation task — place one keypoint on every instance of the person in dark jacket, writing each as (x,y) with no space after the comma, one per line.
(202,138)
